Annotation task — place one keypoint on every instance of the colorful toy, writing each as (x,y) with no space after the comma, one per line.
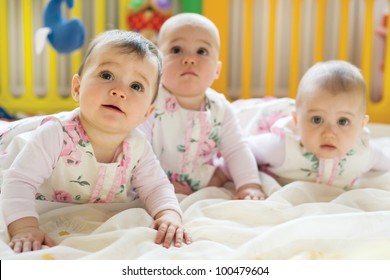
(192,6)
(147,16)
(64,35)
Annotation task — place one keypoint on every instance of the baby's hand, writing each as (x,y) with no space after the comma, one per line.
(250,192)
(26,236)
(169,228)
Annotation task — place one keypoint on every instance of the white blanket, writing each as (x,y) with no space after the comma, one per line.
(299,221)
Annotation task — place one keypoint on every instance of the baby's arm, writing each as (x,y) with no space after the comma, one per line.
(379,157)
(239,160)
(160,200)
(27,236)
(268,149)
(34,163)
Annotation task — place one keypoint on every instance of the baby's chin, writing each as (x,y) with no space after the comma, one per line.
(326,154)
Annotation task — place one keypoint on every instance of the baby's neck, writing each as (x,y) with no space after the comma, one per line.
(193,103)
(105,146)
(105,143)
(105,153)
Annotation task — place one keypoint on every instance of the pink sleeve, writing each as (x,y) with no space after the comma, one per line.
(268,149)
(151,183)
(34,163)
(379,157)
(238,158)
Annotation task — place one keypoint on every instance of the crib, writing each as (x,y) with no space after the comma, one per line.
(265,47)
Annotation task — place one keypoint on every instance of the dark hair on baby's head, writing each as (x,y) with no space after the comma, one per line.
(129,42)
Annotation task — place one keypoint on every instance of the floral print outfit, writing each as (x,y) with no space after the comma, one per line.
(302,165)
(77,167)
(187,142)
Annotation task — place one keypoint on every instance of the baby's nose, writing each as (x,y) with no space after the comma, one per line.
(189,60)
(328,129)
(118,93)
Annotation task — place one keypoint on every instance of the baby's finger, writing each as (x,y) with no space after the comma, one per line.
(261,196)
(16,246)
(255,197)
(170,233)
(179,237)
(27,246)
(187,237)
(161,231)
(36,245)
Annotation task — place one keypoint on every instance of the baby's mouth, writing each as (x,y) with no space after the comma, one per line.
(112,107)
(328,147)
(188,73)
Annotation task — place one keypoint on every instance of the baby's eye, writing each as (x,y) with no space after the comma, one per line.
(176,50)
(137,87)
(343,122)
(106,76)
(316,120)
(202,51)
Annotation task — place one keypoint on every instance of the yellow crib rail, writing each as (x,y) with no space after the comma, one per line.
(4,62)
(28,103)
(218,11)
(378,111)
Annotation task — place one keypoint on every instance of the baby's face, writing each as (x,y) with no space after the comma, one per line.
(115,90)
(190,59)
(330,124)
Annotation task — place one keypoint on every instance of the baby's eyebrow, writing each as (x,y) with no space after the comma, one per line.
(206,43)
(174,41)
(177,40)
(347,113)
(144,78)
(106,63)
(312,111)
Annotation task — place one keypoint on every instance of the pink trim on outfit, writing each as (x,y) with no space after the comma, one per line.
(202,138)
(99,185)
(321,166)
(187,142)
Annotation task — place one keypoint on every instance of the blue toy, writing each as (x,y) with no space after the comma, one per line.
(64,35)
(5,116)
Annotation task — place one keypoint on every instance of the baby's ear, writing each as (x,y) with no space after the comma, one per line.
(218,72)
(294,117)
(149,111)
(76,87)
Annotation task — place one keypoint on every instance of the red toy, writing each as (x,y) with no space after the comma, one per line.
(147,16)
